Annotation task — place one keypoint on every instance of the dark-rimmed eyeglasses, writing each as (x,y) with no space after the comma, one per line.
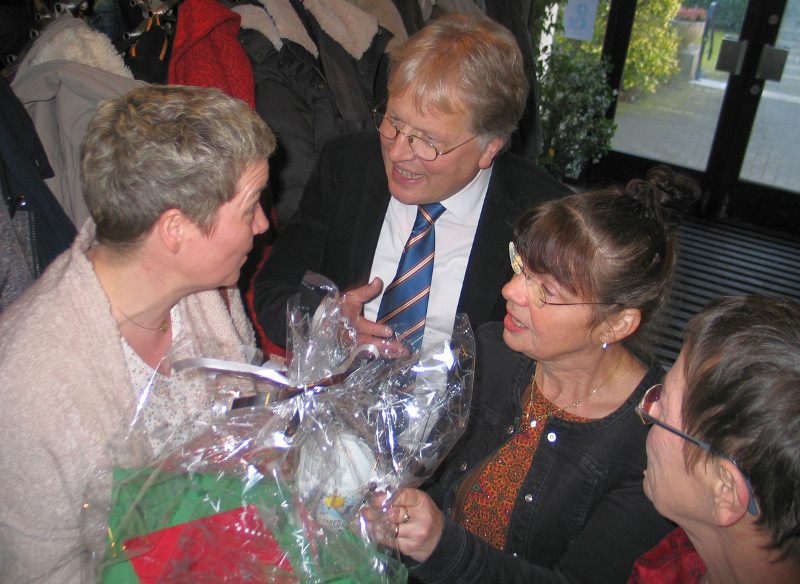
(421,147)
(653,395)
(533,286)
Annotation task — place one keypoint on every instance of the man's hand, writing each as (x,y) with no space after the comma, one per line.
(380,335)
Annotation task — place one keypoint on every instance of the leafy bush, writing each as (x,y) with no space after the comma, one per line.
(574,99)
(652,53)
(538,23)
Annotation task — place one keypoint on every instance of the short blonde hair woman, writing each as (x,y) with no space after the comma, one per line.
(173,178)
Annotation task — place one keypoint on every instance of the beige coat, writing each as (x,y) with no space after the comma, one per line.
(67,402)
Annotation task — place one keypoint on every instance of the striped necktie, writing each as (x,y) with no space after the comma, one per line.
(405,301)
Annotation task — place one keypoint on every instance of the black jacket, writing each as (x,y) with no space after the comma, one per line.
(337,226)
(307,99)
(581,514)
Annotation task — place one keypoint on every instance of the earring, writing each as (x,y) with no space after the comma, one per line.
(605,345)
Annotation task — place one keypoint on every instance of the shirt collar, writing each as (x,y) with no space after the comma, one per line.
(467,203)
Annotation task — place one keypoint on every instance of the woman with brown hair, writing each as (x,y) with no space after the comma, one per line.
(546,484)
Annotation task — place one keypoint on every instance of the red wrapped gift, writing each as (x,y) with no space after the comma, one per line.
(229,546)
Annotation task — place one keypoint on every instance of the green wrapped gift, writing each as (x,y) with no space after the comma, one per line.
(228,527)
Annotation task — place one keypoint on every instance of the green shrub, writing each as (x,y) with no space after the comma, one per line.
(574,99)
(652,54)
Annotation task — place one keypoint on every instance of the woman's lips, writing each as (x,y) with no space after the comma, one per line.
(513,325)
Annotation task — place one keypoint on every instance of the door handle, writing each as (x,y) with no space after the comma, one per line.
(731,55)
(771,63)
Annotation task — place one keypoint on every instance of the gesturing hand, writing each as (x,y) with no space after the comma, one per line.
(380,335)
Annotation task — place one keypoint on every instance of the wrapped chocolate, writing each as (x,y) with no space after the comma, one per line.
(386,426)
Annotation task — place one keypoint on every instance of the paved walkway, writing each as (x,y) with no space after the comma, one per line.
(677,124)
(674,125)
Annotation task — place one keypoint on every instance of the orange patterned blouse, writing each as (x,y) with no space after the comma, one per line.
(487,494)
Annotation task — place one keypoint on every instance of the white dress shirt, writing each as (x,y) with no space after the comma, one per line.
(455,232)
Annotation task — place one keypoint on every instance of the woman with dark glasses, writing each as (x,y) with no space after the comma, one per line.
(546,484)
(723,456)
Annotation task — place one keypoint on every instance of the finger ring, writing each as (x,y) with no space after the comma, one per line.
(406,518)
(396,529)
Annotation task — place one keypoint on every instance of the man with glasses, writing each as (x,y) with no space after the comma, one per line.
(437,163)
(723,456)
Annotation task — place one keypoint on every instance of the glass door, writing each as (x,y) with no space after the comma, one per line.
(729,113)
(772,157)
(675,122)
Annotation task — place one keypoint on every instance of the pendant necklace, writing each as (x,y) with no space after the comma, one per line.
(554,409)
(163,327)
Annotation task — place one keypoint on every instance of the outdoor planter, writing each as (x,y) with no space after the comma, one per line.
(689,31)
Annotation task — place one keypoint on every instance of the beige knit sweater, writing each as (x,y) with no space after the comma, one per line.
(66,403)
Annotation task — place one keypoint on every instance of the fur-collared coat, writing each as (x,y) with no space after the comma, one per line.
(319,68)
(68,70)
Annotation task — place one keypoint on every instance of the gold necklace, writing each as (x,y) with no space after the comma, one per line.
(556,408)
(163,327)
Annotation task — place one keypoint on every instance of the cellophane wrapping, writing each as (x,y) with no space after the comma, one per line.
(275,492)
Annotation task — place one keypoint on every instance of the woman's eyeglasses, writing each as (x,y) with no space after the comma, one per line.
(651,396)
(536,293)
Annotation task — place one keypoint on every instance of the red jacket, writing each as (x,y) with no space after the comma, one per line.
(206,52)
(673,561)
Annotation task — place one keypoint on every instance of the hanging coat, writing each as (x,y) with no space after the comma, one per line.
(206,53)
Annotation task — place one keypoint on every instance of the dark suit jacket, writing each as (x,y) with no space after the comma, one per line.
(335,230)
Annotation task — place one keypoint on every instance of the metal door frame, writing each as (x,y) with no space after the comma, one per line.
(726,196)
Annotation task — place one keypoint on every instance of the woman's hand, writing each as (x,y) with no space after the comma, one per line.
(418,523)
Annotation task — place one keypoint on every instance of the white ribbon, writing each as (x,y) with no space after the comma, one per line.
(268,370)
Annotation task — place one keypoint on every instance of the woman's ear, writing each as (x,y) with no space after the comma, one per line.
(731,496)
(621,325)
(171,227)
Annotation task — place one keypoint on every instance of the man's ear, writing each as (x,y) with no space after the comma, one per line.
(622,325)
(171,227)
(731,496)
(492,148)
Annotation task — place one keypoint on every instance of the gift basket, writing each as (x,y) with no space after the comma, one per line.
(273,487)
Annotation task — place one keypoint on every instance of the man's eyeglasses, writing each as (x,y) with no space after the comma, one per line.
(422,148)
(653,395)
(536,293)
